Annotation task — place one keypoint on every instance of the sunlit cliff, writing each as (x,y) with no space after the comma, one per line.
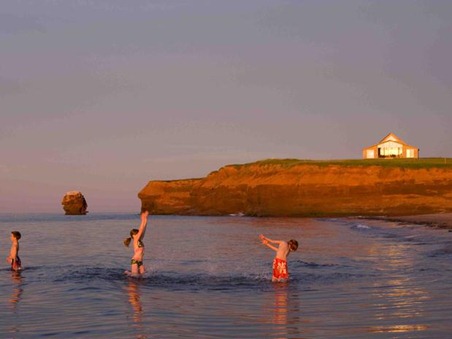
(308,188)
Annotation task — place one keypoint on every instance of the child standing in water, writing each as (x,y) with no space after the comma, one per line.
(280,269)
(13,258)
(137,235)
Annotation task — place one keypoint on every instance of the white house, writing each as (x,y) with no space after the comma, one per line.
(391,146)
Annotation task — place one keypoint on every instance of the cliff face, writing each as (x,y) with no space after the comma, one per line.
(304,190)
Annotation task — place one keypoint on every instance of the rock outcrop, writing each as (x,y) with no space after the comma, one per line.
(297,188)
(74,203)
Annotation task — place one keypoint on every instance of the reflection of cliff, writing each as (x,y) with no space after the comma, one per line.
(274,188)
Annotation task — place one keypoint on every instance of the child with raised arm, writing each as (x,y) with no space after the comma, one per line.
(280,269)
(13,258)
(137,235)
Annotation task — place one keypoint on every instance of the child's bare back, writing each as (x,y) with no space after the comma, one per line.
(280,269)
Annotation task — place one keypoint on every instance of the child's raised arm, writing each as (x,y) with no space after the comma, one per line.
(262,237)
(144,222)
(266,241)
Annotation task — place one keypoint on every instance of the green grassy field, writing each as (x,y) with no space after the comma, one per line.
(401,163)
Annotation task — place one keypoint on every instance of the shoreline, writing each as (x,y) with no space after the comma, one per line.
(436,220)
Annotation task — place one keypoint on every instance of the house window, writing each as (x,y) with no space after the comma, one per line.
(410,153)
(391,151)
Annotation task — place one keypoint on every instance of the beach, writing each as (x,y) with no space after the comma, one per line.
(438,220)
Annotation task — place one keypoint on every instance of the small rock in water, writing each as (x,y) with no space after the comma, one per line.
(74,203)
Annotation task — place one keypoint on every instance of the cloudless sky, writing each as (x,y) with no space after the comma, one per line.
(102,96)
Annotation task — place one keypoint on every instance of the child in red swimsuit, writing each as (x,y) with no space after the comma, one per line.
(280,270)
(13,258)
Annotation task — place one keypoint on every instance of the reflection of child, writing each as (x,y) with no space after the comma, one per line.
(13,257)
(280,270)
(136,235)
(134,298)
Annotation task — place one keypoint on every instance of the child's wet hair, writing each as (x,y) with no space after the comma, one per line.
(127,241)
(16,234)
(293,245)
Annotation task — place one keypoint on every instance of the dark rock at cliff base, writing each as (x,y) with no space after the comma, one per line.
(74,203)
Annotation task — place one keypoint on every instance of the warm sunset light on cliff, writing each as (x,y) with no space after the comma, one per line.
(103,96)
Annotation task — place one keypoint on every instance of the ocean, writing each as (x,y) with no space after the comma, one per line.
(210,277)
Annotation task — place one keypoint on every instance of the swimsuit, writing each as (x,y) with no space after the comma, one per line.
(16,264)
(138,263)
(280,270)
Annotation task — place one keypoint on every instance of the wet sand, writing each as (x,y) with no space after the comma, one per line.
(439,220)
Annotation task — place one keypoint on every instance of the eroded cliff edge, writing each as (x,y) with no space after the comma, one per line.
(307,188)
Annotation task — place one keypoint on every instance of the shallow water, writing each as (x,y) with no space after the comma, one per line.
(210,278)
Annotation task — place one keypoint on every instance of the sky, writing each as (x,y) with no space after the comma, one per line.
(102,96)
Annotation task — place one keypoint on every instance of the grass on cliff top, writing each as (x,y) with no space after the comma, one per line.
(401,163)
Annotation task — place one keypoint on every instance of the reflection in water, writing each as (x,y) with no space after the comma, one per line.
(134,294)
(280,308)
(16,293)
(398,328)
(286,310)
(15,297)
(346,283)
(399,297)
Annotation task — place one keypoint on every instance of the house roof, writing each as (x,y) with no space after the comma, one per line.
(391,137)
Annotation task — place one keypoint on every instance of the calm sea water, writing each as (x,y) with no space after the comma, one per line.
(211,278)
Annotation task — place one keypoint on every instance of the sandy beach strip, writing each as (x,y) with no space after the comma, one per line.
(439,220)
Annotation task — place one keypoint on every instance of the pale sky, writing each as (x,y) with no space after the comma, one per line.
(102,96)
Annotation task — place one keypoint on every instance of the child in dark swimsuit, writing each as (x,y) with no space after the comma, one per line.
(13,258)
(280,269)
(137,235)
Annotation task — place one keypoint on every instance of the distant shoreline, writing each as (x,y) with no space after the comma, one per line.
(436,220)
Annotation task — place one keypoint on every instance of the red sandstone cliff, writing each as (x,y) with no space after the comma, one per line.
(305,189)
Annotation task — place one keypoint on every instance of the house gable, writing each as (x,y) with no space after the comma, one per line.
(392,137)
(391,146)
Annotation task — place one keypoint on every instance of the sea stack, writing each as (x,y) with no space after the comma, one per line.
(74,203)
